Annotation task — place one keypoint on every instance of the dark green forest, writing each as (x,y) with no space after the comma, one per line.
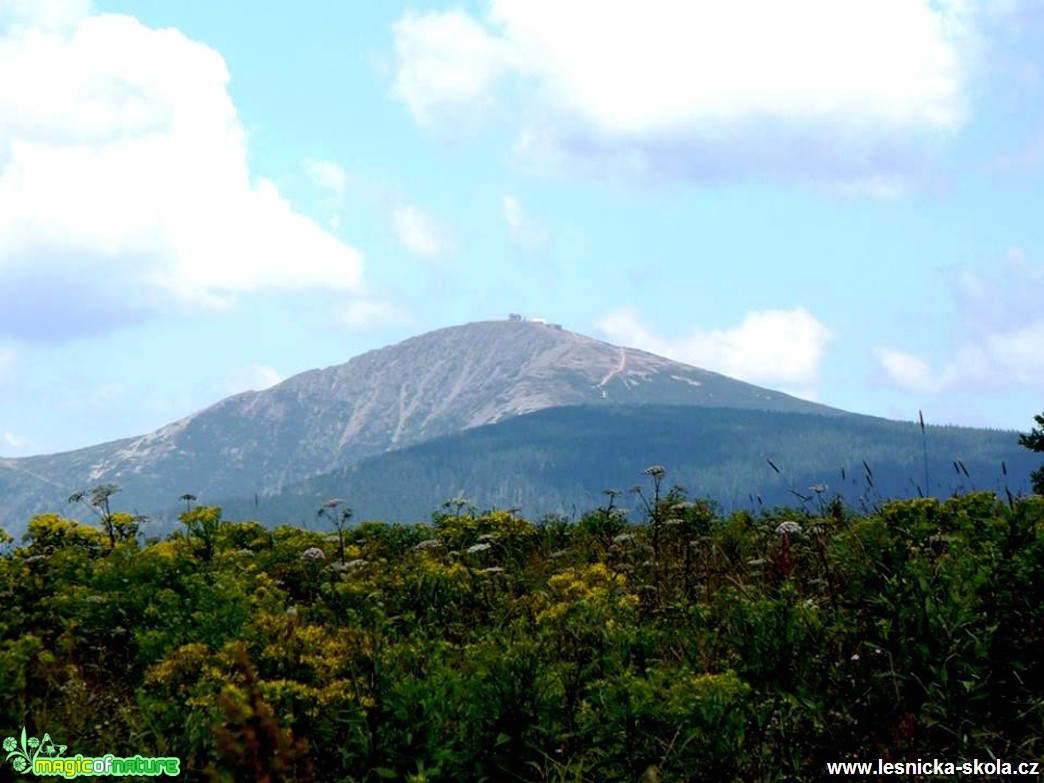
(689,644)
(560,461)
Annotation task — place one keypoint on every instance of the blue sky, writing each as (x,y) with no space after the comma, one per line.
(840,200)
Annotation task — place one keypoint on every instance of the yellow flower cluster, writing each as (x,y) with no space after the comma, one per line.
(590,585)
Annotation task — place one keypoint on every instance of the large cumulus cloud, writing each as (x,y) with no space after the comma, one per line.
(124,184)
(849,95)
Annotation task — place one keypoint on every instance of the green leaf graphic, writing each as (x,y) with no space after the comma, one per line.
(50,748)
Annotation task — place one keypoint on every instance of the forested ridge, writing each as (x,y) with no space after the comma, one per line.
(559,460)
(692,645)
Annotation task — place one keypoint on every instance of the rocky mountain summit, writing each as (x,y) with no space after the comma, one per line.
(438,383)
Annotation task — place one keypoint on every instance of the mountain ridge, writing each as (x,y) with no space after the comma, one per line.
(434,384)
(560,460)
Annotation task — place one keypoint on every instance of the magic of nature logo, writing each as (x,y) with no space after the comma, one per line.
(45,757)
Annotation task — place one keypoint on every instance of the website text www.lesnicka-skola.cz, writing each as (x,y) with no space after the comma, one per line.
(936,767)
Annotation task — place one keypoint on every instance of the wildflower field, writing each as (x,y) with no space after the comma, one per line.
(684,646)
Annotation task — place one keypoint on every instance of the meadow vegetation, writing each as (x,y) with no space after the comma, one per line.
(687,646)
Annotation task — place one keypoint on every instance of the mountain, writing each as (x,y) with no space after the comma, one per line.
(440,383)
(560,460)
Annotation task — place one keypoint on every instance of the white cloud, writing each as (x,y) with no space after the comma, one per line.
(420,232)
(778,348)
(326,175)
(912,372)
(366,313)
(124,186)
(814,90)
(252,377)
(1019,353)
(1000,333)
(447,62)
(523,228)
(1007,299)
(45,14)
(14,441)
